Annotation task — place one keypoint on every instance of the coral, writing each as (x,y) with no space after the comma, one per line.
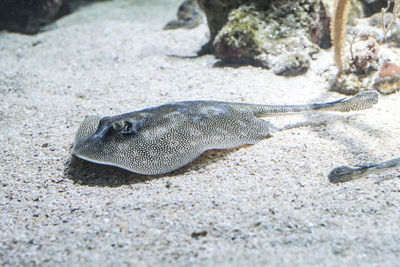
(338,31)
(340,17)
(380,26)
(395,12)
(189,16)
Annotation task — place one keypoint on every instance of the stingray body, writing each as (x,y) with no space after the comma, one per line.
(165,138)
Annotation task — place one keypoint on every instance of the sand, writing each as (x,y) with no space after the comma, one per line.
(266,204)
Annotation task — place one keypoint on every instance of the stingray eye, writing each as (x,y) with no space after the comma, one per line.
(118,126)
(123,126)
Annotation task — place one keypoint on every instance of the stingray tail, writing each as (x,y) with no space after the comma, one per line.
(345,173)
(360,101)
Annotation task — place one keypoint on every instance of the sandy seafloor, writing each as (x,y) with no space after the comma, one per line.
(266,204)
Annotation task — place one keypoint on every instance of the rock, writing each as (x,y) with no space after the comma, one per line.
(356,11)
(372,27)
(388,85)
(240,39)
(199,234)
(368,60)
(291,65)
(267,33)
(189,16)
(350,83)
(373,6)
(388,79)
(27,16)
(217,12)
(389,70)
(364,55)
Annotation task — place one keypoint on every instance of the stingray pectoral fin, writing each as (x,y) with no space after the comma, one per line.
(86,130)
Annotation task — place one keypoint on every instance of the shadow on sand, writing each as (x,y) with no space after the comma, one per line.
(92,174)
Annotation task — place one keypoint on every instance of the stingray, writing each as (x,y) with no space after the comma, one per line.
(162,139)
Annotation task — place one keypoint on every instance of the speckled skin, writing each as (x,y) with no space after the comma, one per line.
(162,139)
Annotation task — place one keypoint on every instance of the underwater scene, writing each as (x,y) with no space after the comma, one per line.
(199,132)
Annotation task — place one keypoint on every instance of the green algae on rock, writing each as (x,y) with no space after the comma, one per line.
(267,33)
(241,39)
(217,12)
